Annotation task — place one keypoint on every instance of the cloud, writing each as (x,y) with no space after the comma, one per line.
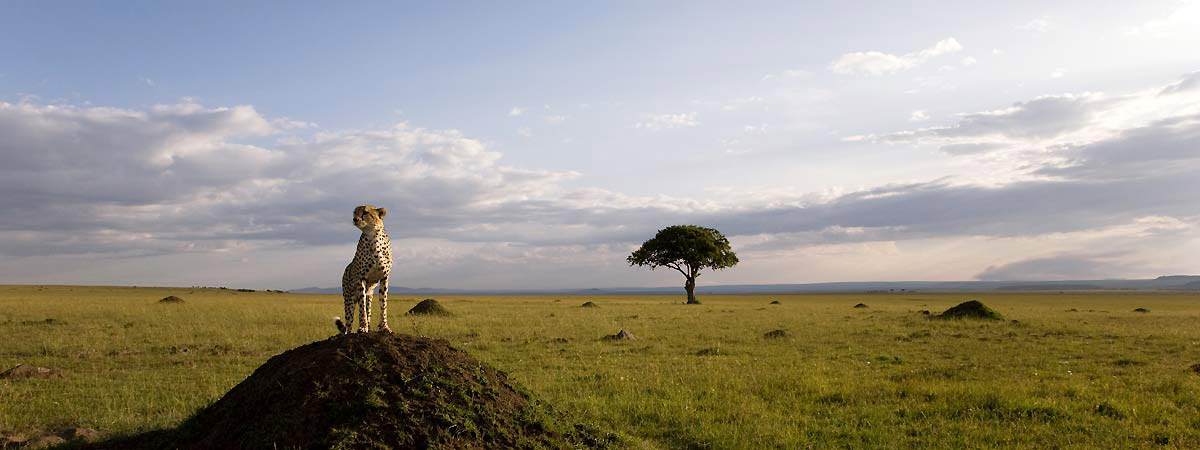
(1066,267)
(918,116)
(174,178)
(1038,25)
(515,111)
(1047,134)
(875,63)
(1189,82)
(1058,73)
(186,183)
(657,122)
(971,148)
(969,61)
(555,119)
(1045,116)
(756,129)
(789,73)
(1184,20)
(1157,149)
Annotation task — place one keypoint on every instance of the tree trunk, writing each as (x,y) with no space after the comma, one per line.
(690,286)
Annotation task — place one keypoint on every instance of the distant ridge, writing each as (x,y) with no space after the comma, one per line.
(1170,282)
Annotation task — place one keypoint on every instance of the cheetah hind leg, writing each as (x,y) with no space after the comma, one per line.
(383,287)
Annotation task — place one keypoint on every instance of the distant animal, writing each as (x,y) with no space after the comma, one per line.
(371,266)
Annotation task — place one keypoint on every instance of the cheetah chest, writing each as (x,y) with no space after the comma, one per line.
(373,260)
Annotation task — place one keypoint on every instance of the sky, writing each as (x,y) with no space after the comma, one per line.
(534,145)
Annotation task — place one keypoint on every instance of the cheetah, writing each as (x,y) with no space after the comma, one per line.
(372,265)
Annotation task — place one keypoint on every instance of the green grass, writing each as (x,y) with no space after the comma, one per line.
(878,377)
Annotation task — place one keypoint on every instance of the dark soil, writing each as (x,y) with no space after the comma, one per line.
(924,312)
(972,309)
(1141,310)
(777,334)
(171,299)
(429,307)
(620,336)
(589,305)
(861,305)
(776,302)
(374,390)
(43,322)
(1195,369)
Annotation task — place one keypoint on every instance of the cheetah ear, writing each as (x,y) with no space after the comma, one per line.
(382,212)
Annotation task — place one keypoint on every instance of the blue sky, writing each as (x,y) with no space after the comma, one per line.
(535,144)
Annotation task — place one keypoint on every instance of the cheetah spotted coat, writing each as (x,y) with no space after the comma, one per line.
(371,266)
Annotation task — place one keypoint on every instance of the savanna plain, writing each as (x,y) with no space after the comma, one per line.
(1062,370)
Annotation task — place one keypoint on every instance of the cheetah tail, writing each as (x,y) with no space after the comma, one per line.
(341,326)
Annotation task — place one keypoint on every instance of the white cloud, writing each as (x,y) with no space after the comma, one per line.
(524,132)
(1058,73)
(918,116)
(742,102)
(875,63)
(1038,25)
(1184,20)
(515,111)
(969,61)
(789,73)
(657,122)
(755,129)
(555,119)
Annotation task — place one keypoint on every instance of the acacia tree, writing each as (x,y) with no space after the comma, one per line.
(687,249)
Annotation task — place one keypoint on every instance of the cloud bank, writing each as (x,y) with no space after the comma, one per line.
(98,184)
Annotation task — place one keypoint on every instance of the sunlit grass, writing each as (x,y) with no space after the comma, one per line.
(885,376)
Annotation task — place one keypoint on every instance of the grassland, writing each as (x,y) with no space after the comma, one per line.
(699,376)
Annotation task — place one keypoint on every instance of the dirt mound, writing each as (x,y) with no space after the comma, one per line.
(972,309)
(776,302)
(589,305)
(429,307)
(1195,369)
(861,305)
(777,334)
(374,390)
(171,299)
(621,336)
(1141,310)
(23,371)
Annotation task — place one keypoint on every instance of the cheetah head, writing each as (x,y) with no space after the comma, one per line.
(367,217)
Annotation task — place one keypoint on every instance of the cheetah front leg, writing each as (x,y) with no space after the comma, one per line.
(364,307)
(348,300)
(383,305)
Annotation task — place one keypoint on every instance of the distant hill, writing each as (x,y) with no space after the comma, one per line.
(1191,285)
(1050,287)
(1169,282)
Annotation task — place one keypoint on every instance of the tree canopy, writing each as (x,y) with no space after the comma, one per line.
(687,249)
